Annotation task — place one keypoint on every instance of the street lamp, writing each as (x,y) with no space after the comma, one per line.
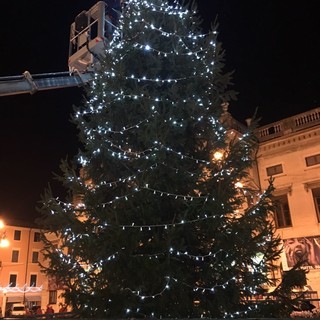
(3,239)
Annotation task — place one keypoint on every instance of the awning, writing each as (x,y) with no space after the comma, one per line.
(32,298)
(14,298)
(27,298)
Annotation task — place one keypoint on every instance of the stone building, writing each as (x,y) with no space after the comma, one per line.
(21,279)
(289,152)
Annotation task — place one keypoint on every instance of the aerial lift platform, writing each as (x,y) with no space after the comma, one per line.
(89,37)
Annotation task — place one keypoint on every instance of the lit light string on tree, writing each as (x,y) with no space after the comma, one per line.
(168,279)
(98,265)
(137,189)
(253,210)
(113,135)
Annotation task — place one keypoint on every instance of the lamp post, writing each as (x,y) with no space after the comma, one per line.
(4,302)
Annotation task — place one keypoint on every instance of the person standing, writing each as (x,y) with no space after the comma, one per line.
(39,310)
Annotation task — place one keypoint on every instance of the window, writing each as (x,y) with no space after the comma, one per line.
(36,237)
(15,256)
(282,211)
(35,257)
(303,278)
(313,160)
(33,280)
(17,235)
(316,198)
(271,171)
(13,280)
(53,297)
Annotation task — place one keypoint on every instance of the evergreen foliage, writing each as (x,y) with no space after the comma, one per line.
(162,228)
(287,296)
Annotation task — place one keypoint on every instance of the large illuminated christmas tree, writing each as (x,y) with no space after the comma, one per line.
(169,224)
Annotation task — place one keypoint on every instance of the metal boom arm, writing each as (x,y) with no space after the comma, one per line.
(27,83)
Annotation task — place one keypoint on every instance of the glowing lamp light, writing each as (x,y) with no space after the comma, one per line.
(218,155)
(4,243)
(238,185)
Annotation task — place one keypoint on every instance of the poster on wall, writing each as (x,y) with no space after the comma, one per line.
(306,249)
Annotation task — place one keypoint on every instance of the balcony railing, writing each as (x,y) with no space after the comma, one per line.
(289,125)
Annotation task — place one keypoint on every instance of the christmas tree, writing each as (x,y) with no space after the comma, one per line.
(168,224)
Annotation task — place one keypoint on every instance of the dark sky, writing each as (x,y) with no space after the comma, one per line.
(273,47)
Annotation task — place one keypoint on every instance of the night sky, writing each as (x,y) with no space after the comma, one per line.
(273,47)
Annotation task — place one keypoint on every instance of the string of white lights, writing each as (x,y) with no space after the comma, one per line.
(23,289)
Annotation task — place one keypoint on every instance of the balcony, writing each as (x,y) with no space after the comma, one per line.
(289,125)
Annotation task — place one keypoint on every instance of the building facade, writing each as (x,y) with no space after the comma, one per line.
(289,153)
(21,279)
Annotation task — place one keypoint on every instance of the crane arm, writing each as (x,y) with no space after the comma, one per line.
(28,83)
